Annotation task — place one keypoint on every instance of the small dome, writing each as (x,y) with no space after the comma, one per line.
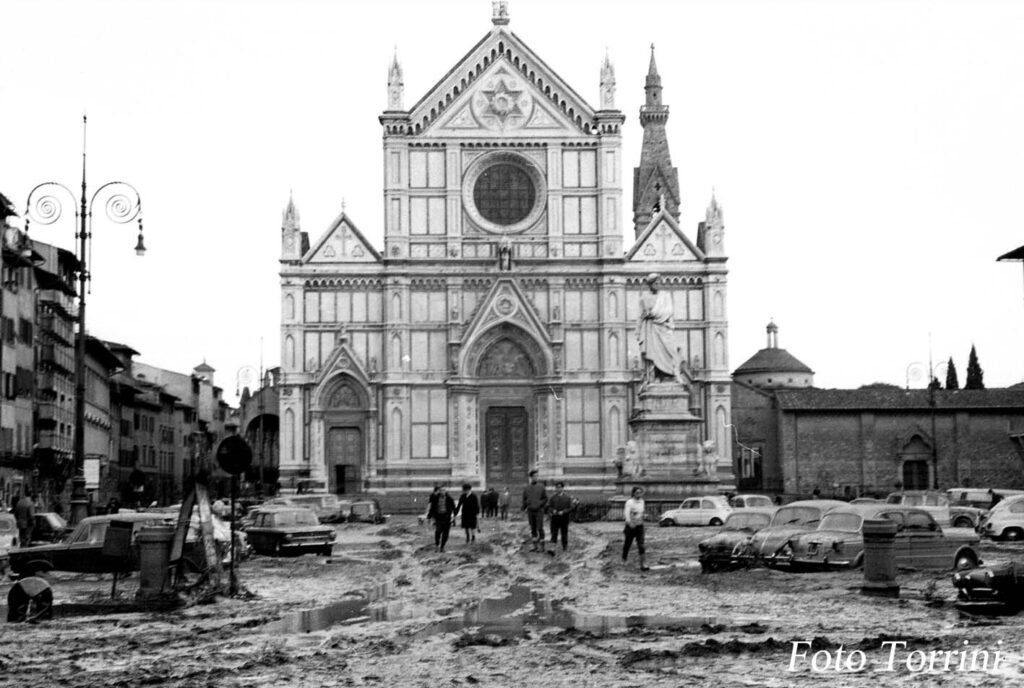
(772,361)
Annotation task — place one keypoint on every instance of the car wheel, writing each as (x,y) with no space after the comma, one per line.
(1013,534)
(327,551)
(708,567)
(966,560)
(716,521)
(963,522)
(666,522)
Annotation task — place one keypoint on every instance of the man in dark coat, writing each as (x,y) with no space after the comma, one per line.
(535,498)
(441,509)
(469,508)
(25,515)
(560,507)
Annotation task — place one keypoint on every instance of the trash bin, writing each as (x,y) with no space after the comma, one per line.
(154,559)
(880,558)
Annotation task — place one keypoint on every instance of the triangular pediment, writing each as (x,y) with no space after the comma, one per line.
(505,304)
(342,243)
(663,241)
(502,101)
(341,362)
(501,87)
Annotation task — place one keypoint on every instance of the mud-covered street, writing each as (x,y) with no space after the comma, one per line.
(387,610)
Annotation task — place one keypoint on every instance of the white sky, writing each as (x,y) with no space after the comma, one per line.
(868,155)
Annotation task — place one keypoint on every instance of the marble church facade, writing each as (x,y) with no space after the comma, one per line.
(494,331)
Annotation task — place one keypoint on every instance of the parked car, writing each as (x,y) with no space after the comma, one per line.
(978,497)
(365,511)
(49,527)
(747,501)
(281,530)
(789,521)
(937,504)
(83,549)
(8,537)
(838,542)
(710,510)
(994,589)
(328,508)
(1005,521)
(866,500)
(720,550)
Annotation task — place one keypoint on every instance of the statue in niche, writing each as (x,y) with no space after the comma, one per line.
(655,333)
(633,465)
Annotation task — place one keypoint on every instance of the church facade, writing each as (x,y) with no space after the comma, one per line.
(494,331)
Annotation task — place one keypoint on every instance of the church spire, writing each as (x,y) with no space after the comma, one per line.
(396,87)
(607,84)
(655,177)
(290,216)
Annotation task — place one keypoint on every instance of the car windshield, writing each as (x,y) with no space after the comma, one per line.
(850,523)
(753,521)
(796,515)
(295,518)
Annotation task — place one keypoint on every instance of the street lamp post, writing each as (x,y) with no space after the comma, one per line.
(122,205)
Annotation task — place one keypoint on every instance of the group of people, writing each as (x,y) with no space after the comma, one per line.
(444,510)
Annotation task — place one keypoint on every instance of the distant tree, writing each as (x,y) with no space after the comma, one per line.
(951,379)
(975,375)
(934,384)
(6,209)
(880,385)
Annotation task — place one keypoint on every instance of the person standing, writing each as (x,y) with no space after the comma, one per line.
(503,499)
(441,508)
(25,516)
(560,508)
(633,513)
(469,509)
(535,498)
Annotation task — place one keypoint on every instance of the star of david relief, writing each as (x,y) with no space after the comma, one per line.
(501,103)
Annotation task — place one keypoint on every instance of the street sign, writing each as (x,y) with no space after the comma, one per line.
(234,455)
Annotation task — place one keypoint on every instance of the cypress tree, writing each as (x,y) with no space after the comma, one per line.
(952,382)
(975,375)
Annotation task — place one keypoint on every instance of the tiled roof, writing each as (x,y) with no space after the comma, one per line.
(772,360)
(895,399)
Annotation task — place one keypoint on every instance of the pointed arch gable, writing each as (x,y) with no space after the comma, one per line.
(341,392)
(511,338)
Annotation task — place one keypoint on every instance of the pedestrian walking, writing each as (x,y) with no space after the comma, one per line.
(560,508)
(503,500)
(469,508)
(535,498)
(25,516)
(489,502)
(441,508)
(633,512)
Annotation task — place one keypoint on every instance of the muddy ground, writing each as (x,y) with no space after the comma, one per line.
(402,616)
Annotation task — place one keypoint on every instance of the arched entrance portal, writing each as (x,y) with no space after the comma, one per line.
(345,412)
(916,464)
(507,372)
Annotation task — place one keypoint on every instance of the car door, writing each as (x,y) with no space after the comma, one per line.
(901,544)
(257,534)
(707,512)
(926,543)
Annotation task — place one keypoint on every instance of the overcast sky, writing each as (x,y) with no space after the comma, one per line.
(868,156)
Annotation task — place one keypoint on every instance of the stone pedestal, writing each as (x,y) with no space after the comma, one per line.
(669,460)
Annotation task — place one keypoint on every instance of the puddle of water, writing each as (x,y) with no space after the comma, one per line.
(507,616)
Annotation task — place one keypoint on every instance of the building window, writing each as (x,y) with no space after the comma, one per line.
(583,422)
(429,424)
(504,194)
